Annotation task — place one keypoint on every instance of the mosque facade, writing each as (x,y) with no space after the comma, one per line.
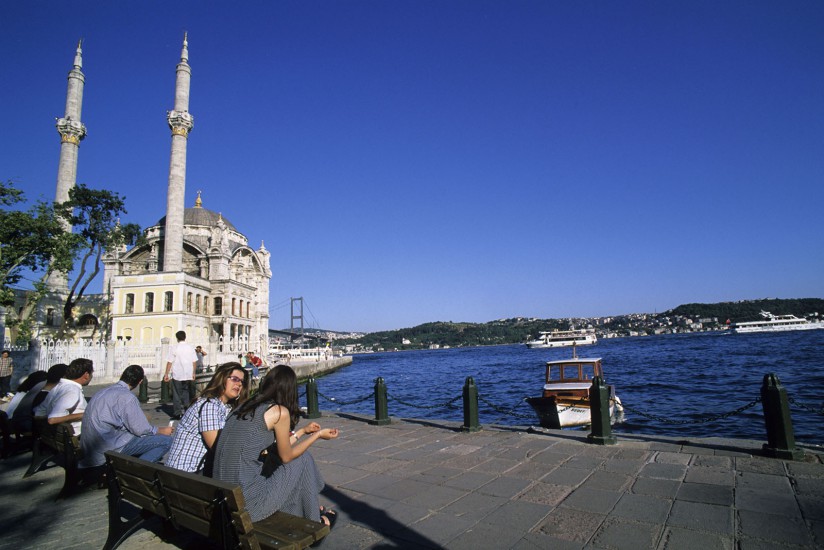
(194,271)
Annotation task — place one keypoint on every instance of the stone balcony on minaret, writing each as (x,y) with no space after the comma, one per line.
(71,131)
(181,122)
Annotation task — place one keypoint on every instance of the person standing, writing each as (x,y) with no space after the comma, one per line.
(182,363)
(6,370)
(114,421)
(200,355)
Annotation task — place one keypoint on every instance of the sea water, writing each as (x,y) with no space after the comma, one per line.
(674,385)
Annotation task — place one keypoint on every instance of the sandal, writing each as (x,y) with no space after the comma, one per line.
(331,516)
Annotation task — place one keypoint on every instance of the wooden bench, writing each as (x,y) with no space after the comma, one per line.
(56,442)
(206,506)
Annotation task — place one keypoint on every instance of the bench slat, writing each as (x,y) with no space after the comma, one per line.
(283,526)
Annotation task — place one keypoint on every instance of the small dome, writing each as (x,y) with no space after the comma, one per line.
(200,216)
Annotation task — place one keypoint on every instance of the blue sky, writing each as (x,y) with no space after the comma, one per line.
(408,162)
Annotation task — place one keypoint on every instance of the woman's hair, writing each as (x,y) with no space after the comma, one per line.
(32,380)
(278,387)
(217,385)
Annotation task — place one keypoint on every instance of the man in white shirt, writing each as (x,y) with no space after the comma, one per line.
(182,363)
(66,402)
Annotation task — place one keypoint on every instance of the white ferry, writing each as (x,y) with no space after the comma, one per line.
(561,338)
(776,323)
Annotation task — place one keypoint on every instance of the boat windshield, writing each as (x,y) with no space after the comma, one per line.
(572,372)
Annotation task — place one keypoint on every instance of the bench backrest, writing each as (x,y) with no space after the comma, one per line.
(207,506)
(59,437)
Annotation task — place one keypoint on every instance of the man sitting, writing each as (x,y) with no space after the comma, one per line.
(114,421)
(66,402)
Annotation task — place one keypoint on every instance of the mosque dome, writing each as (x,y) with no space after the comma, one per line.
(200,216)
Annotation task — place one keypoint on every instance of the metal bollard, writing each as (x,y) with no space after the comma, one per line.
(143,391)
(780,437)
(599,414)
(165,391)
(381,408)
(312,410)
(470,406)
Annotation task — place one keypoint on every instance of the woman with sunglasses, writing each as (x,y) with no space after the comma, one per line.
(267,422)
(201,423)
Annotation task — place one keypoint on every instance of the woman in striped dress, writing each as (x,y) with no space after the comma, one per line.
(268,420)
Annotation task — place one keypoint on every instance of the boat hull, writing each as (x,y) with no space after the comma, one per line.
(560,343)
(555,413)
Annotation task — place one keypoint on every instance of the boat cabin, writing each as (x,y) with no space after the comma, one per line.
(571,377)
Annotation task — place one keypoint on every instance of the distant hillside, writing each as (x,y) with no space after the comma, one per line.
(748,310)
(519,329)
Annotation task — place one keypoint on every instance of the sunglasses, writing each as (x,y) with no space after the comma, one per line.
(236,380)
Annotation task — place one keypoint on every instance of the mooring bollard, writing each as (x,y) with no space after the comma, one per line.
(381,406)
(143,391)
(599,411)
(312,410)
(780,437)
(470,406)
(165,391)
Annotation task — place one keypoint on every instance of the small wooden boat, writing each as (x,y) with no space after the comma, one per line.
(564,402)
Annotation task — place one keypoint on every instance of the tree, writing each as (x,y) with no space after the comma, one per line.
(94,215)
(30,241)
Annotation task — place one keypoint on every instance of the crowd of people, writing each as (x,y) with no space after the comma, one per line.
(226,432)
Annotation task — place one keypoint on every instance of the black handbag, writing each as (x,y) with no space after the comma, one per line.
(271,460)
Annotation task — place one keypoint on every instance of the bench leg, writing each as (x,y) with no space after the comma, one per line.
(40,455)
(72,479)
(119,529)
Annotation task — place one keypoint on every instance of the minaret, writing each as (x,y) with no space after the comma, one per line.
(181,123)
(71,131)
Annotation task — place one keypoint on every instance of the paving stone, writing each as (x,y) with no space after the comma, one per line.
(766,502)
(664,471)
(481,534)
(723,462)
(505,486)
(566,476)
(469,480)
(676,538)
(672,458)
(592,500)
(624,535)
(709,494)
(441,528)
(608,481)
(642,508)
(435,498)
(700,516)
(710,475)
(546,493)
(571,525)
(779,529)
(662,488)
(810,486)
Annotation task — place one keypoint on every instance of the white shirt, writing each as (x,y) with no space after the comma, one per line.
(182,357)
(64,399)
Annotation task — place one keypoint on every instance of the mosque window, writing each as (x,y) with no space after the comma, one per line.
(50,317)
(189,302)
(240,312)
(233,306)
(130,303)
(218,306)
(149,305)
(197,303)
(206,305)
(168,300)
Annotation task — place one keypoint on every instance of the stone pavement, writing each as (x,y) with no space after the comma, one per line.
(422,484)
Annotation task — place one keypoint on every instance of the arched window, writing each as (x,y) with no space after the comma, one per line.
(148,306)
(218,306)
(197,303)
(205,305)
(168,300)
(130,303)
(233,306)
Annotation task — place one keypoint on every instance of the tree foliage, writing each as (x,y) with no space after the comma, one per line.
(94,215)
(32,240)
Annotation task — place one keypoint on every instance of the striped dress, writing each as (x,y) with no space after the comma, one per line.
(293,488)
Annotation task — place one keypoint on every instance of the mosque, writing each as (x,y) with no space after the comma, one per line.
(195,271)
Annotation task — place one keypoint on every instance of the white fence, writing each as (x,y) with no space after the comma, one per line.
(110,359)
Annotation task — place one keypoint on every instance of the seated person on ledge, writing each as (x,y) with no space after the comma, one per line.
(114,421)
